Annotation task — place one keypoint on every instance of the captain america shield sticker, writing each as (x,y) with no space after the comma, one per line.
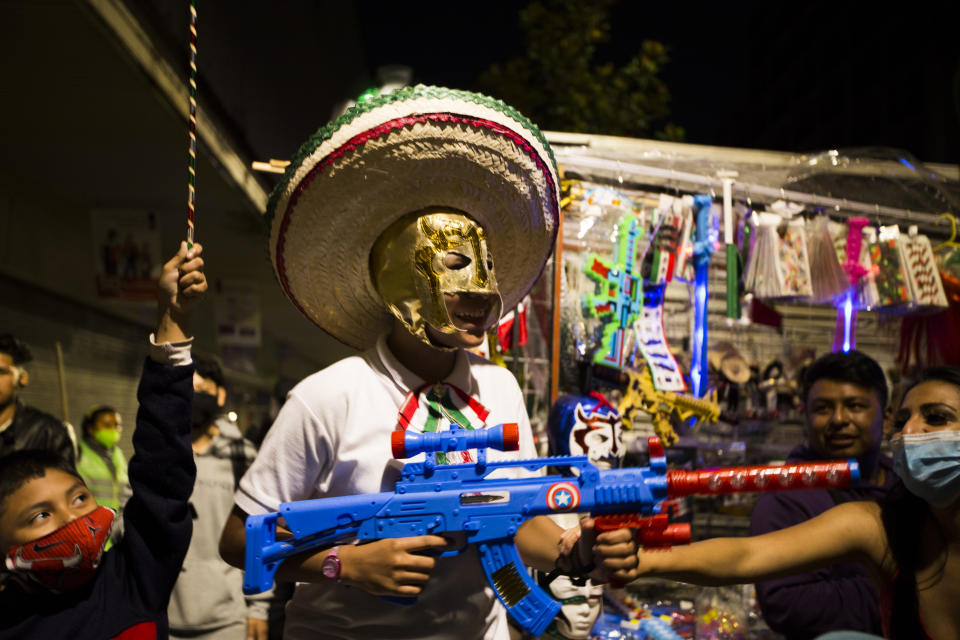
(563,496)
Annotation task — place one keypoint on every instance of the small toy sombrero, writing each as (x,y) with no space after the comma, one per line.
(394,154)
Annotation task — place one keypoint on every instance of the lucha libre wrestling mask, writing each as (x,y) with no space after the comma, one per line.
(586,425)
(423,256)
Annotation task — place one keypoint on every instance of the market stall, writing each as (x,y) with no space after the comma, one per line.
(690,288)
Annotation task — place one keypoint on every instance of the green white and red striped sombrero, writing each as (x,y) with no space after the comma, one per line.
(401,152)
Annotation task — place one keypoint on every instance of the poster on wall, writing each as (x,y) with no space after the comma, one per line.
(237,312)
(237,315)
(127,254)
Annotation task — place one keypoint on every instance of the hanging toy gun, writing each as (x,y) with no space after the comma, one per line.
(447,499)
(640,394)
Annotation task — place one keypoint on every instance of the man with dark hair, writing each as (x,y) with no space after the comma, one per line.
(844,398)
(23,427)
(207,602)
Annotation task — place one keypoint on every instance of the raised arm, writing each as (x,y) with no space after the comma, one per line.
(850,532)
(162,471)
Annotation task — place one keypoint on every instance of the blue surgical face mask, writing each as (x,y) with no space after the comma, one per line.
(929,465)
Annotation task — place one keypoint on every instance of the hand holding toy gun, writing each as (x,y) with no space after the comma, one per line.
(446,499)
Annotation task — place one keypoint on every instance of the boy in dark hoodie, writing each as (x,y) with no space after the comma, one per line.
(56,579)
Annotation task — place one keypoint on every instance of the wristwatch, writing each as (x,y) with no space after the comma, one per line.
(331,565)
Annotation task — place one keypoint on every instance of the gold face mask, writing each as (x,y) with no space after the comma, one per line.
(421,257)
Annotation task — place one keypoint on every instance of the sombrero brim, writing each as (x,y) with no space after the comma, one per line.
(414,148)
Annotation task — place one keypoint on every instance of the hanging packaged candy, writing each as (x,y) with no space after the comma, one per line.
(762,275)
(889,276)
(867,295)
(794,262)
(921,269)
(838,233)
(828,278)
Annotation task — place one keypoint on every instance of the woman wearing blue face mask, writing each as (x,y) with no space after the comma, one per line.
(910,543)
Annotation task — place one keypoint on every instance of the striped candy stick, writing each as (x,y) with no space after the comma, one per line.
(192,158)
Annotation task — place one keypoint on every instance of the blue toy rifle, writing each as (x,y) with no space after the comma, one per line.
(446,499)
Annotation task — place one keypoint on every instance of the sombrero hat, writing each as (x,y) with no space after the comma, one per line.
(397,153)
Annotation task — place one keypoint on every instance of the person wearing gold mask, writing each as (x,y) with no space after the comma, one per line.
(384,233)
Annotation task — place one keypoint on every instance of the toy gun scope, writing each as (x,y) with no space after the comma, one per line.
(503,437)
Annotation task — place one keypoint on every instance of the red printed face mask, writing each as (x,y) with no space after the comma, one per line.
(66,559)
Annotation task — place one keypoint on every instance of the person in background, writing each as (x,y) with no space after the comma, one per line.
(23,427)
(844,398)
(101,462)
(255,433)
(208,601)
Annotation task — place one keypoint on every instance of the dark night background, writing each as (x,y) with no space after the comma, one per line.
(780,76)
(94,117)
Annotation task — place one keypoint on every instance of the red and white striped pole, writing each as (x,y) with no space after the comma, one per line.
(192,160)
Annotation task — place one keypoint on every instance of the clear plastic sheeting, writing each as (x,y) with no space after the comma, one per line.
(888,186)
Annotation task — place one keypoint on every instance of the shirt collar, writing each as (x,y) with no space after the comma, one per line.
(407,380)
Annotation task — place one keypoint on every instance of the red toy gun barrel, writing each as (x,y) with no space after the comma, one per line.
(808,475)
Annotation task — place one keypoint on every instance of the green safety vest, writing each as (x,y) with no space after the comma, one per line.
(109,491)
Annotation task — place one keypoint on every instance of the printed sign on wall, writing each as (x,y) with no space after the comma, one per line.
(127,251)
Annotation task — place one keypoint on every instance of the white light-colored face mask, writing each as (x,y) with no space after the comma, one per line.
(579,607)
(929,465)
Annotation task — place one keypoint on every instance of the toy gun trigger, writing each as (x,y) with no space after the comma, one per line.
(529,606)
(458,543)
(654,532)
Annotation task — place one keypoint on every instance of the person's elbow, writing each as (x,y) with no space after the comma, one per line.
(233,540)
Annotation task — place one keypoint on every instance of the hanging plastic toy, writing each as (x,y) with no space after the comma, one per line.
(651,340)
(702,250)
(619,300)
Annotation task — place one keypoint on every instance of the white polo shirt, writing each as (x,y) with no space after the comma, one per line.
(332,438)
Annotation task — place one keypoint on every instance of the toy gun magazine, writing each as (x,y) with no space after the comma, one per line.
(461,499)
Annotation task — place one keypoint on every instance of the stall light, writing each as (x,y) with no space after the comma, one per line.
(232,416)
(847,321)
